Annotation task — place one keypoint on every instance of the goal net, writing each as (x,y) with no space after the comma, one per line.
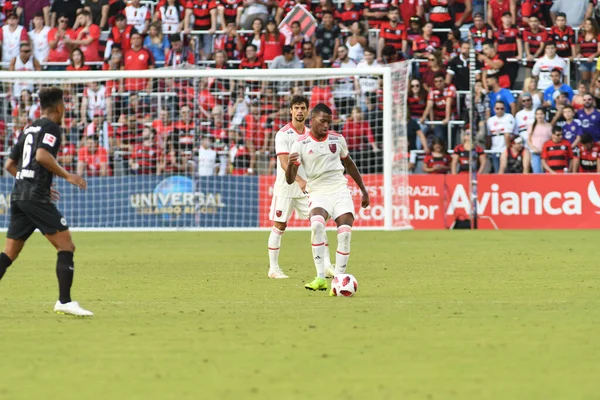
(194,148)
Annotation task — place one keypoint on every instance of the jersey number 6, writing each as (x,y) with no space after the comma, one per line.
(27,150)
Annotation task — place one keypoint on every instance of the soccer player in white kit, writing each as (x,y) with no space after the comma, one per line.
(324,156)
(287,198)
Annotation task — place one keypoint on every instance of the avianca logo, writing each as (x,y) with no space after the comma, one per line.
(594,196)
(498,202)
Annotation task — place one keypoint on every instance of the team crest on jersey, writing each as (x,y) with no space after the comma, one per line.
(332,147)
(49,139)
(278,213)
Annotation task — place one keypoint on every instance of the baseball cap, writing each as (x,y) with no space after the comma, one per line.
(517,139)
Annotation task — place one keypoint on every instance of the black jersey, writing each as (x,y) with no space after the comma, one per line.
(33,181)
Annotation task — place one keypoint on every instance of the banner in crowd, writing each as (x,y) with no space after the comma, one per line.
(546,201)
(154,202)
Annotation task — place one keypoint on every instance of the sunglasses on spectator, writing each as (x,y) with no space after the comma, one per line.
(416,85)
(499,108)
(557,134)
(524,100)
(26,50)
(62,20)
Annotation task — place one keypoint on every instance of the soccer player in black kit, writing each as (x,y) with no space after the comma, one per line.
(32,162)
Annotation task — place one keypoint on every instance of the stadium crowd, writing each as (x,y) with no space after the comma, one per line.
(530,117)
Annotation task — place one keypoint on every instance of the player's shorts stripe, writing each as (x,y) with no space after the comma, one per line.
(344,254)
(277,231)
(318,244)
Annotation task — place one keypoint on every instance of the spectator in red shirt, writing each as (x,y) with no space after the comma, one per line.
(178,54)
(440,105)
(438,160)
(59,51)
(557,154)
(588,156)
(588,46)
(92,159)
(272,41)
(77,60)
(144,156)
(87,37)
(460,156)
(138,58)
(230,42)
(359,138)
(348,13)
(392,33)
(435,66)
(66,154)
(426,43)
(534,39)
(509,45)
(564,37)
(163,126)
(497,8)
(119,34)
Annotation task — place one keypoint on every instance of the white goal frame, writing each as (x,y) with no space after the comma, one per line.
(265,74)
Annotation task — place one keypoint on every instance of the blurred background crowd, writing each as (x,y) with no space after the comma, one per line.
(536,97)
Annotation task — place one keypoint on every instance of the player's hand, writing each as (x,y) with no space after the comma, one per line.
(364,201)
(54,194)
(77,180)
(294,159)
(302,184)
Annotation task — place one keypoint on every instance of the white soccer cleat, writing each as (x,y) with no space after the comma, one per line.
(72,308)
(330,271)
(277,273)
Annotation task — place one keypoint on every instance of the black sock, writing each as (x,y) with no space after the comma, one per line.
(5,262)
(64,272)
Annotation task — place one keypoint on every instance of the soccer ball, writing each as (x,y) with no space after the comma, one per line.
(344,285)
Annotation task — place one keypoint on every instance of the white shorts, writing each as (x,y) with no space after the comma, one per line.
(282,207)
(335,204)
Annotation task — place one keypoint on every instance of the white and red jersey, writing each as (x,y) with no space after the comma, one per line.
(440,99)
(497,127)
(321,161)
(284,139)
(544,66)
(96,100)
(171,17)
(137,17)
(41,47)
(11,41)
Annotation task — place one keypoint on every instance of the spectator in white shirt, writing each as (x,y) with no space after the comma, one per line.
(544,66)
(500,128)
(39,38)
(207,157)
(524,118)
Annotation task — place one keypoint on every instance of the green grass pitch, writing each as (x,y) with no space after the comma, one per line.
(438,315)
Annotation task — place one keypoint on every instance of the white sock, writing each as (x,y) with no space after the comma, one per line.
(327,256)
(343,250)
(317,225)
(274,245)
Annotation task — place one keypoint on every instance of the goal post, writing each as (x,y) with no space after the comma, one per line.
(186,148)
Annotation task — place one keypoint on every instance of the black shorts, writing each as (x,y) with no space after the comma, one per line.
(27,216)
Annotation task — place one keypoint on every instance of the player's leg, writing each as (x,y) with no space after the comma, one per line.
(343,213)
(12,248)
(320,207)
(281,209)
(54,227)
(19,230)
(302,212)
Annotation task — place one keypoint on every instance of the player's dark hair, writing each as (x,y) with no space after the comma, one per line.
(556,128)
(489,43)
(299,99)
(392,9)
(85,13)
(174,37)
(369,50)
(326,12)
(550,43)
(556,70)
(50,97)
(120,17)
(441,142)
(321,108)
(569,106)
(587,138)
(251,45)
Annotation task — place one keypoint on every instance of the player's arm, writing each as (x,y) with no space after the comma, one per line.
(291,171)
(352,170)
(283,161)
(11,166)
(48,161)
